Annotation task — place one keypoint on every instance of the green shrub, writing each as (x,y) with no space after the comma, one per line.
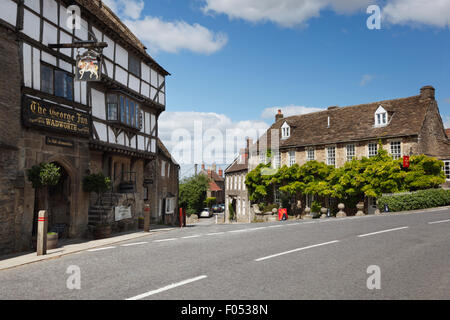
(97,183)
(231,210)
(418,200)
(315,207)
(44,174)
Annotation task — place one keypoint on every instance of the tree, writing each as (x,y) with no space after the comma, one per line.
(193,193)
(96,182)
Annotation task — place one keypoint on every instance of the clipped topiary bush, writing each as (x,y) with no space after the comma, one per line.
(417,200)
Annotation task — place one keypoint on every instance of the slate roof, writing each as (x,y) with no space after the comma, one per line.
(237,165)
(163,150)
(353,123)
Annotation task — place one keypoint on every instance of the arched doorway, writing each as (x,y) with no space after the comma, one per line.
(59,203)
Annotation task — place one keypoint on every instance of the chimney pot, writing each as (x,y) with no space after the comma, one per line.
(279,115)
(427,92)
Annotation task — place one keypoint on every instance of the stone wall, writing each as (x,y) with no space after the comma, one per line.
(11,177)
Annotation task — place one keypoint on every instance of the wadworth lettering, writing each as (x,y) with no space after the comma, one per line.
(48,116)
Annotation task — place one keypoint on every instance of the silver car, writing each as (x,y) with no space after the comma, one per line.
(206,213)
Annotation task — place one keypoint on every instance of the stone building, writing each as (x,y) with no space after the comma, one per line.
(216,187)
(235,189)
(48,115)
(406,126)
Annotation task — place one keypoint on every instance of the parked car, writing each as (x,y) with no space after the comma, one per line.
(222,206)
(216,208)
(206,213)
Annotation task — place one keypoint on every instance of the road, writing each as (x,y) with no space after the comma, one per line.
(319,259)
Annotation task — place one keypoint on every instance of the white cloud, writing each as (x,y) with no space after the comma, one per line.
(197,137)
(286,13)
(269,113)
(423,12)
(176,36)
(366,79)
(126,8)
(160,35)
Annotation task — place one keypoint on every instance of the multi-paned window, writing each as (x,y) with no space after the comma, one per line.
(447,169)
(134,65)
(396,149)
(350,148)
(372,149)
(331,156)
(124,110)
(310,154)
(262,157)
(56,82)
(291,157)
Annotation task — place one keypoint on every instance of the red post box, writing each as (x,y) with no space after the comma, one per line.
(282,214)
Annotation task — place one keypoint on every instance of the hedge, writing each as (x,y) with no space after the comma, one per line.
(418,200)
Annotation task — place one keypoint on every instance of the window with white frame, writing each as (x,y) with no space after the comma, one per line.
(238,205)
(239,183)
(396,149)
(372,149)
(331,156)
(243,207)
(243,182)
(310,154)
(234,183)
(350,149)
(381,117)
(291,157)
(447,169)
(170,202)
(285,131)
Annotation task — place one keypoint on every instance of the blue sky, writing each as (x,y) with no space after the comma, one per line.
(237,59)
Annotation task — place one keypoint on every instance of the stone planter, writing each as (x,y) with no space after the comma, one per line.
(323,212)
(360,207)
(307,213)
(52,241)
(341,212)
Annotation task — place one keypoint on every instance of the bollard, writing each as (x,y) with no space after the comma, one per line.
(42,233)
(181,217)
(147,218)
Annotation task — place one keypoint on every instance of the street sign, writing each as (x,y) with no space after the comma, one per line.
(89,66)
(406,162)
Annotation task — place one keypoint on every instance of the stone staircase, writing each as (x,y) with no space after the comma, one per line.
(104,208)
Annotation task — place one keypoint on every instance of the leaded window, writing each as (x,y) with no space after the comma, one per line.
(331,156)
(396,149)
(372,149)
(350,152)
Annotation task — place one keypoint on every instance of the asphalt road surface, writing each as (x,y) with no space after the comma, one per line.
(315,259)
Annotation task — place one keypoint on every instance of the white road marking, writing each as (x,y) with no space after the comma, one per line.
(382,231)
(171,286)
(190,237)
(133,244)
(240,230)
(163,240)
(100,249)
(295,250)
(442,221)
(277,226)
(214,233)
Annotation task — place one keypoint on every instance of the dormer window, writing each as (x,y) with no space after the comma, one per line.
(381,117)
(285,131)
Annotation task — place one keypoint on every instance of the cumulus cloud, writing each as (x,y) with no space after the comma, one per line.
(206,137)
(168,36)
(286,13)
(126,8)
(175,36)
(291,110)
(418,12)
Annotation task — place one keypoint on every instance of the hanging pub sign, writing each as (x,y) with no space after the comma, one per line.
(44,115)
(405,161)
(89,66)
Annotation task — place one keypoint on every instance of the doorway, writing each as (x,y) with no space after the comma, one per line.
(59,197)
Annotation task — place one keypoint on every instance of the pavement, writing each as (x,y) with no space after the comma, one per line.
(312,259)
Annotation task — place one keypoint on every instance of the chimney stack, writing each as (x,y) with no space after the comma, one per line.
(203,167)
(279,115)
(214,167)
(220,172)
(427,92)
